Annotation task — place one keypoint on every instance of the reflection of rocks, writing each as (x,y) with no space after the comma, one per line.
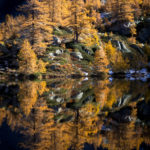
(123,115)
(144,110)
(144,35)
(123,101)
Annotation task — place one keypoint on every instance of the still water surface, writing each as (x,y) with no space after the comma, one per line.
(75,114)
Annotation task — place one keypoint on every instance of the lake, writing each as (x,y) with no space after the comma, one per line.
(75,114)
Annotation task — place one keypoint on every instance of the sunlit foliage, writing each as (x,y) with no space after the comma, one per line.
(27,59)
(101,61)
(115,57)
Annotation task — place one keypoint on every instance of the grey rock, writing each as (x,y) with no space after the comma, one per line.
(51,55)
(121,46)
(124,48)
(59,52)
(56,41)
(77,55)
(59,99)
(79,96)
(54,67)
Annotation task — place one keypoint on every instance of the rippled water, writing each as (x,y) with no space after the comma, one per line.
(75,114)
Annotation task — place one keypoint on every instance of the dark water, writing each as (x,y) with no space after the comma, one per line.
(75,114)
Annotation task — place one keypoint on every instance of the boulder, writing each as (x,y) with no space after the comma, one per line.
(56,41)
(58,51)
(51,55)
(77,55)
(59,99)
(124,48)
(55,67)
(144,110)
(79,96)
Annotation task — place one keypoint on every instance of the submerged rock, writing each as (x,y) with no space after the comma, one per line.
(144,110)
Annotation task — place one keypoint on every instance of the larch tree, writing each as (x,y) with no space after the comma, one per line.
(136,5)
(101,61)
(27,59)
(65,12)
(54,10)
(93,7)
(59,11)
(146,8)
(76,18)
(10,29)
(121,10)
(38,26)
(82,24)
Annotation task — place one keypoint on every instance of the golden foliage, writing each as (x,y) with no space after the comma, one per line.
(41,66)
(115,57)
(27,59)
(28,94)
(38,24)
(101,61)
(146,8)
(121,10)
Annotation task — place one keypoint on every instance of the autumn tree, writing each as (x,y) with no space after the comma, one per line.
(59,11)
(93,7)
(10,30)
(101,61)
(146,8)
(121,10)
(78,19)
(27,59)
(38,26)
(115,57)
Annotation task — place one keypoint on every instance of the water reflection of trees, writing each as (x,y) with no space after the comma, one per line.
(67,114)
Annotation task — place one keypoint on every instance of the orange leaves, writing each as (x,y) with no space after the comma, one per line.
(41,66)
(27,59)
(116,59)
(28,94)
(100,61)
